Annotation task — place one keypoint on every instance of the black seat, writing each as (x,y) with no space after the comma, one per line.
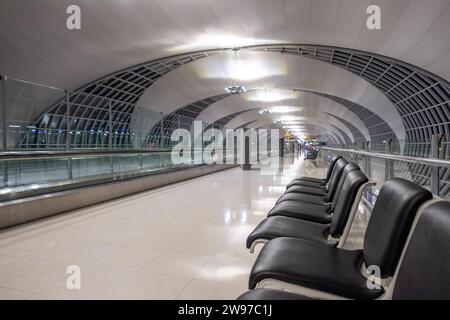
(337,271)
(318,212)
(276,226)
(310,181)
(323,200)
(334,181)
(302,210)
(304,197)
(424,271)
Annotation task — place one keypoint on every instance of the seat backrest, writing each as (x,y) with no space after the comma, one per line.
(424,272)
(335,176)
(390,222)
(347,169)
(353,182)
(331,166)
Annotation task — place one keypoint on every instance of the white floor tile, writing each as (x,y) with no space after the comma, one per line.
(177,264)
(184,241)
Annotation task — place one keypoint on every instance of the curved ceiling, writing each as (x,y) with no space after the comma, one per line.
(394,97)
(306,107)
(305,104)
(332,125)
(209,76)
(36,46)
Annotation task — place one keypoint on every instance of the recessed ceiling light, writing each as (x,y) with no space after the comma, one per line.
(235,89)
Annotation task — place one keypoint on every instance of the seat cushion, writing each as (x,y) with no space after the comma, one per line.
(306,184)
(307,190)
(313,265)
(270,294)
(279,226)
(304,197)
(311,179)
(302,210)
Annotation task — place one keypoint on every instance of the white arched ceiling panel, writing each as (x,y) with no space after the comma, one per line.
(307,104)
(304,120)
(310,128)
(36,45)
(209,76)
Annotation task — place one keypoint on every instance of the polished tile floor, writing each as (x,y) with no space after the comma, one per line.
(184,241)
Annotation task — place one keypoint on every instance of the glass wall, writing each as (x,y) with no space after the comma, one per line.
(37,117)
(87,136)
(380,170)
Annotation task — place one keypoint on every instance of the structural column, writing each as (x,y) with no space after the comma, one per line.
(388,164)
(246,165)
(436,140)
(110,125)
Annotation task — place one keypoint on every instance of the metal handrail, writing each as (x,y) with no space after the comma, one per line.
(435,162)
(33,155)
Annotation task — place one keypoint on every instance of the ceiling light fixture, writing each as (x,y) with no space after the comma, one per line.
(235,89)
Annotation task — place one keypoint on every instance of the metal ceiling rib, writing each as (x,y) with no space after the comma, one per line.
(357,135)
(89,105)
(180,119)
(347,139)
(379,130)
(422,98)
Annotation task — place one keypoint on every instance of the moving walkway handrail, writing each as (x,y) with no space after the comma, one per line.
(417,160)
(34,155)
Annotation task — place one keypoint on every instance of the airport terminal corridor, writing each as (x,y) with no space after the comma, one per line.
(169,243)
(239,153)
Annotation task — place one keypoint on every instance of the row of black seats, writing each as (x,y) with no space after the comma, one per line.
(406,251)
(314,209)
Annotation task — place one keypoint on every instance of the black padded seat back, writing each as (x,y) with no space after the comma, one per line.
(424,272)
(331,166)
(335,176)
(353,182)
(390,222)
(347,169)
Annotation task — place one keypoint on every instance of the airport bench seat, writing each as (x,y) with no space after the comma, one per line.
(423,272)
(277,226)
(335,177)
(309,184)
(306,211)
(319,181)
(307,190)
(336,270)
(309,198)
(313,265)
(304,197)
